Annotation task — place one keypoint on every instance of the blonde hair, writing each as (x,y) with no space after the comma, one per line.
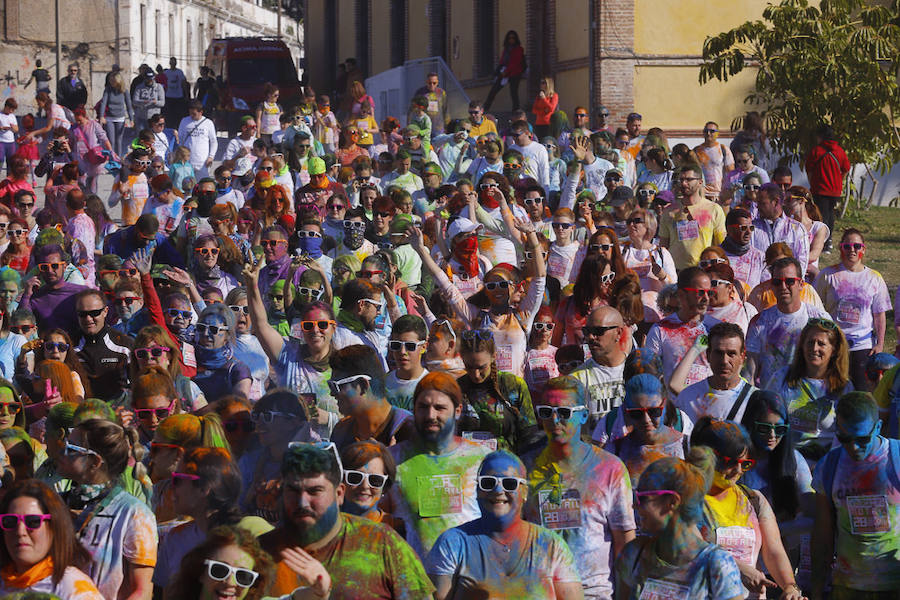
(117,83)
(182,154)
(549,82)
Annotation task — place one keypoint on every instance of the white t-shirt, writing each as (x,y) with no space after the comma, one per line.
(124,531)
(736,312)
(560,261)
(200,138)
(537,164)
(699,400)
(671,338)
(7,120)
(773,336)
(234,146)
(603,386)
(852,298)
(399,392)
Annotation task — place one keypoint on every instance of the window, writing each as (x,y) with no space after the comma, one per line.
(438,20)
(485,36)
(363,11)
(398,32)
(143,28)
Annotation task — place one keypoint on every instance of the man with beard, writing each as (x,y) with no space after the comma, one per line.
(748,262)
(608,339)
(534,562)
(672,337)
(435,488)
(578,489)
(366,560)
(357,383)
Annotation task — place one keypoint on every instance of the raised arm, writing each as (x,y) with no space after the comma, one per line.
(270,340)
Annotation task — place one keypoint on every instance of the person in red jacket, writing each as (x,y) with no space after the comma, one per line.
(511,68)
(544,105)
(826,167)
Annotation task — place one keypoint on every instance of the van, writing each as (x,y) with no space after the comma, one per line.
(244,65)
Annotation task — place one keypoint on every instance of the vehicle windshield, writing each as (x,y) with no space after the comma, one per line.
(246,71)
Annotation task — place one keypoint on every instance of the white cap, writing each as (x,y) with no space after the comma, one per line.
(243,166)
(461,225)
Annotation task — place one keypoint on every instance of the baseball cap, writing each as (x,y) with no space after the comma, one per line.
(156,272)
(315,166)
(881,361)
(400,222)
(461,225)
(603,111)
(413,129)
(242,166)
(612,172)
(621,196)
(635,117)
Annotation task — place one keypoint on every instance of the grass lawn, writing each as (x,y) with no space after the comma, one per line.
(881,227)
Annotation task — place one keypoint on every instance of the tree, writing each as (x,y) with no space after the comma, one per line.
(836,63)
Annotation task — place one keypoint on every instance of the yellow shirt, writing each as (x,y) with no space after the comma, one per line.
(686,231)
(366,126)
(486,126)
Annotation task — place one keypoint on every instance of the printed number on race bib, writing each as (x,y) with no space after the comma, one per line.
(849,312)
(440,495)
(739,542)
(868,514)
(687,230)
(481,437)
(565,514)
(504,357)
(432,106)
(654,589)
(557,266)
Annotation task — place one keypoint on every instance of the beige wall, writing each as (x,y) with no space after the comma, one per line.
(572,87)
(419,29)
(315,46)
(666,27)
(684,103)
(462,39)
(346,17)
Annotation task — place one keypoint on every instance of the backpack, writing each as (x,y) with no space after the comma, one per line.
(829,469)
(894,406)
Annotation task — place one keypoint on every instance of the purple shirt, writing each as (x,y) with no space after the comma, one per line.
(275,271)
(55,307)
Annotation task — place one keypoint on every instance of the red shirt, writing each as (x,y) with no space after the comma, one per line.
(826,166)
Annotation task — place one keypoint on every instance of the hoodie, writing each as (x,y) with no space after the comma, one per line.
(826,166)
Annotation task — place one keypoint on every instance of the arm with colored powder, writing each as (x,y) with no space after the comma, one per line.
(269,338)
(678,380)
(773,554)
(142,259)
(454,297)
(879,324)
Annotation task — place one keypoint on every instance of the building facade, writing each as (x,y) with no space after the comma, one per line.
(99,33)
(645,52)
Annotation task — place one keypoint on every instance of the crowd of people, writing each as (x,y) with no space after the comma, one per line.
(443,359)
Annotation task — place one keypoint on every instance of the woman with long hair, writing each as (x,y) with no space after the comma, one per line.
(54,344)
(739,519)
(269,112)
(652,263)
(540,361)
(18,252)
(510,69)
(208,264)
(670,501)
(116,112)
(87,137)
(50,384)
(154,347)
(358,97)
(812,384)
(858,300)
(247,348)
(591,290)
(497,403)
(103,223)
(39,550)
(801,206)
(658,170)
(206,488)
(545,104)
(237,423)
(277,208)
(95,456)
(10,346)
(348,146)
(229,564)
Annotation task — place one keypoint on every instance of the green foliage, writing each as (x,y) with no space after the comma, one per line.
(837,63)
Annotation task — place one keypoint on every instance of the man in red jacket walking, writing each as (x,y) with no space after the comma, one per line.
(826,167)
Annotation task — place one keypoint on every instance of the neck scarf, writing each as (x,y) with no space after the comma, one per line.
(350,321)
(311,246)
(212,358)
(732,247)
(37,572)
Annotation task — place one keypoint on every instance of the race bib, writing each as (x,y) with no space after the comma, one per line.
(503,355)
(557,266)
(654,589)
(140,190)
(432,106)
(297,329)
(440,495)
(187,355)
(564,514)
(849,312)
(738,541)
(362,125)
(687,230)
(805,419)
(868,514)
(540,367)
(329,135)
(481,437)
(642,270)
(467,287)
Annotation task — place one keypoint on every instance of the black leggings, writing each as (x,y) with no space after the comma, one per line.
(826,205)
(513,92)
